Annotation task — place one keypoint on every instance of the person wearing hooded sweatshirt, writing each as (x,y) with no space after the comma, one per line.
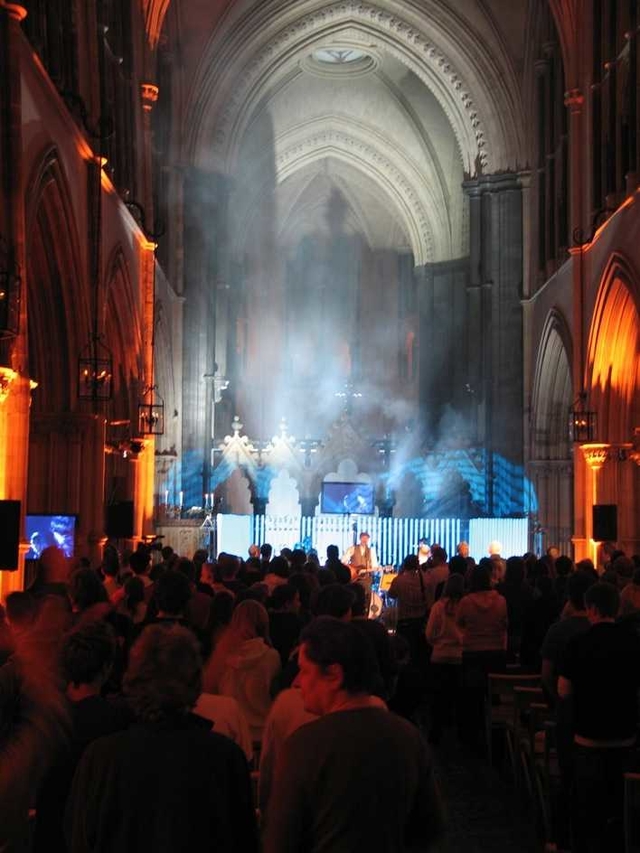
(244,664)
(482,619)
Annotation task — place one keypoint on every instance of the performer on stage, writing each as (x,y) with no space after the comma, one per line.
(361,557)
(424,551)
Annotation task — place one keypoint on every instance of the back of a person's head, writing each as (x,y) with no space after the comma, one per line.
(326,577)
(172,593)
(21,609)
(359,605)
(133,593)
(454,587)
(255,592)
(604,598)
(110,561)
(480,579)
(577,586)
(86,589)
(438,556)
(88,653)
(164,676)
(586,565)
(304,586)
(167,552)
(266,551)
(250,620)
(564,565)
(514,574)
(221,608)
(332,552)
(280,567)
(335,600)
(53,565)
(139,561)
(623,566)
(328,641)
(228,565)
(187,568)
(410,563)
(282,596)
(200,556)
(458,565)
(298,558)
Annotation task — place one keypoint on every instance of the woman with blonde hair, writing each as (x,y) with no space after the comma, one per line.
(244,664)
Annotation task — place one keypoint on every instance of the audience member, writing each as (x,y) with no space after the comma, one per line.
(88,654)
(278,573)
(244,664)
(168,782)
(445,637)
(315,797)
(341,572)
(600,673)
(482,619)
(519,597)
(284,624)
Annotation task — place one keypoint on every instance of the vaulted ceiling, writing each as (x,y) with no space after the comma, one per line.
(388,104)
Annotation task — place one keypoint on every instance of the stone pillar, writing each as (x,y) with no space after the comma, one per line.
(308,506)
(14,382)
(205,215)
(496,281)
(259,505)
(583,475)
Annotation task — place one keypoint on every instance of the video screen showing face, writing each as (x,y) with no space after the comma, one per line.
(45,530)
(347,498)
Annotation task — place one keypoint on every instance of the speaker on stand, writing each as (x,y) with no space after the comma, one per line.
(605,522)
(9,535)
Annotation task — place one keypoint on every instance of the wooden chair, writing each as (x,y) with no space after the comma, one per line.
(500,710)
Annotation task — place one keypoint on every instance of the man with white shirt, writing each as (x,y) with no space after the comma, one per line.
(361,557)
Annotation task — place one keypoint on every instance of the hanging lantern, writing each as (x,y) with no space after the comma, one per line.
(95,372)
(582,422)
(151,413)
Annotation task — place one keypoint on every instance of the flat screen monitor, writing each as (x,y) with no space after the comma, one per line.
(347,498)
(45,530)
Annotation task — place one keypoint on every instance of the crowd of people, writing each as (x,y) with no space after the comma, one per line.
(157,702)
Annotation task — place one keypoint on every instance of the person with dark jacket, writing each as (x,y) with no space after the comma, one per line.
(167,783)
(87,656)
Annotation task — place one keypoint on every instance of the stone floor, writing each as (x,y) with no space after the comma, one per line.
(483,811)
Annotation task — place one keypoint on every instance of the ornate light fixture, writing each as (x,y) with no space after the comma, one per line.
(9,292)
(95,372)
(582,422)
(151,413)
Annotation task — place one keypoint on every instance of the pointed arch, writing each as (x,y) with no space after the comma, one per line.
(613,352)
(57,306)
(552,391)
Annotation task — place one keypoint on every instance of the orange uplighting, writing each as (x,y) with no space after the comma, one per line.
(614,343)
(629,200)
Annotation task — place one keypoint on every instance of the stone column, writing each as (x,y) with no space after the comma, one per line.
(205,214)
(14,381)
(308,506)
(496,239)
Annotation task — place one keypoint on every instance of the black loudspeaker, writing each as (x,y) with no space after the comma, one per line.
(9,534)
(120,520)
(605,522)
